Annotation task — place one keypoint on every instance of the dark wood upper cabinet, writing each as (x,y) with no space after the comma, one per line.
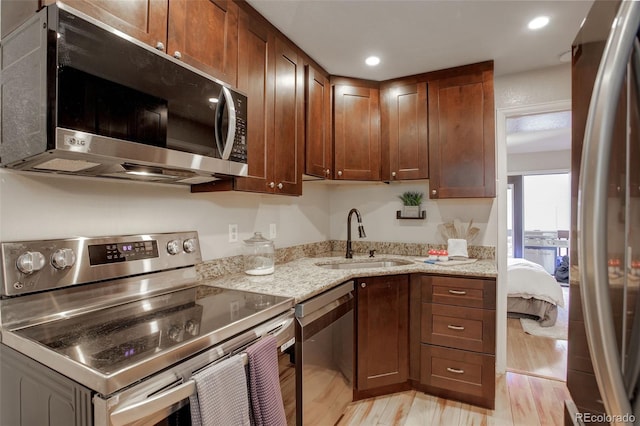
(356,131)
(145,20)
(462,136)
(382,318)
(204,34)
(288,115)
(318,146)
(255,79)
(271,73)
(405,132)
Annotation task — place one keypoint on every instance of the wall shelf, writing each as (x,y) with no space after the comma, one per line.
(423,215)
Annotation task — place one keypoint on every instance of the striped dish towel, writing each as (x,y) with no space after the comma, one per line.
(264,383)
(221,398)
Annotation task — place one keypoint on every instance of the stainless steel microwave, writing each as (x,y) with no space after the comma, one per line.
(79,97)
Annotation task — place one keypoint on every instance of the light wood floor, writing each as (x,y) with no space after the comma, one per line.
(534,355)
(520,400)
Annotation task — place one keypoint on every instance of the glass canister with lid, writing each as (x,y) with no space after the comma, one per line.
(259,255)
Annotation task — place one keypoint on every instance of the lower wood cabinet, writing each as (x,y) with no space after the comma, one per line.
(432,333)
(456,345)
(382,335)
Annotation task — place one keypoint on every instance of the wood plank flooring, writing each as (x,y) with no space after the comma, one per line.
(520,400)
(535,355)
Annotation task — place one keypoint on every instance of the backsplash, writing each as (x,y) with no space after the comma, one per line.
(234,264)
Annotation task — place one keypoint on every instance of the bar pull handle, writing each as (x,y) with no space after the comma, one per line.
(455,327)
(455,370)
(458,292)
(592,216)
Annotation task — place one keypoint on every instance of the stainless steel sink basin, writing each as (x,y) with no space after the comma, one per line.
(365,264)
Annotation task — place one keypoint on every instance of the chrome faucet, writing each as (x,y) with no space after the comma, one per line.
(361,232)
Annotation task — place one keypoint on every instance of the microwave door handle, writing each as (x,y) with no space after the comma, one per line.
(225,142)
(153,404)
(592,217)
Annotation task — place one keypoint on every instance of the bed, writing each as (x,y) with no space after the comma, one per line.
(532,292)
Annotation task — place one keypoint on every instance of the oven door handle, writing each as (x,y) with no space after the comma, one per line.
(156,403)
(153,404)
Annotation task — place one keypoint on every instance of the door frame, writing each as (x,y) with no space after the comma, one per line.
(502,114)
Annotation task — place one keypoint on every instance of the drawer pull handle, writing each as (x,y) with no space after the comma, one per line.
(455,370)
(455,327)
(458,292)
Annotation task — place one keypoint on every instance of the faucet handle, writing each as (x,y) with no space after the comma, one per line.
(372,252)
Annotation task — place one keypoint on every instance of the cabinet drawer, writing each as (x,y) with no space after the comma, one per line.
(458,371)
(470,292)
(458,327)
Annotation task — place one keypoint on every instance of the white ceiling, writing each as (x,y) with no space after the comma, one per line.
(417,36)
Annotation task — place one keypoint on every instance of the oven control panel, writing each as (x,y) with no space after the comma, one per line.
(32,266)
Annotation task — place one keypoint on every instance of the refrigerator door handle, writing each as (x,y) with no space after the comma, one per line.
(592,217)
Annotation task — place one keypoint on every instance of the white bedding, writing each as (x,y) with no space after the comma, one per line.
(530,280)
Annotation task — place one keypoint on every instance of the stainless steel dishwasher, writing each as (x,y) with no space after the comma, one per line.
(324,356)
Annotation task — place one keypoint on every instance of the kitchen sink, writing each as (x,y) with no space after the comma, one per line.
(365,264)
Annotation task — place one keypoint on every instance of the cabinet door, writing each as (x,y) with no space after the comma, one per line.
(204,33)
(318,149)
(462,136)
(405,132)
(145,20)
(255,44)
(356,132)
(382,319)
(287,157)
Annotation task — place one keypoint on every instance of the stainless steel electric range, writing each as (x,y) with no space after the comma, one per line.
(109,330)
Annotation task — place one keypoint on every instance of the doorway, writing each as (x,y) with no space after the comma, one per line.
(530,150)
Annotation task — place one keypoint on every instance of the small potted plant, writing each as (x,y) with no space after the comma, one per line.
(411,201)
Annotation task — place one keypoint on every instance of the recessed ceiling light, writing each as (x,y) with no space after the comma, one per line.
(539,22)
(372,61)
(213,100)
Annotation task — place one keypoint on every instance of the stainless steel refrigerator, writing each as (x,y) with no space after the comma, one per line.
(604,332)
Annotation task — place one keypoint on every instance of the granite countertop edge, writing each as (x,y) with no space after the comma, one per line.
(302,279)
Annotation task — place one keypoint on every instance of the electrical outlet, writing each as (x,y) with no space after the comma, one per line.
(234,310)
(272,231)
(233,233)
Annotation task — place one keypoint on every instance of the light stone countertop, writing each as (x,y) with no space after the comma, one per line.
(302,278)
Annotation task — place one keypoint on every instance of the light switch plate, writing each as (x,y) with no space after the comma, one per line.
(272,231)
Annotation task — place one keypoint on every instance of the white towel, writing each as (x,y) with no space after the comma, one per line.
(457,249)
(222,398)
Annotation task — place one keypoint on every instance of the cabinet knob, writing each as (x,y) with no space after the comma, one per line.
(363,285)
(272,184)
(177,55)
(160,46)
(339,172)
(393,174)
(434,192)
(280,185)
(327,172)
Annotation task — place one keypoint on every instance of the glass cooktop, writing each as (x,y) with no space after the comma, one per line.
(114,338)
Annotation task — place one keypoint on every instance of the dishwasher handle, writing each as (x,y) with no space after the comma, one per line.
(312,305)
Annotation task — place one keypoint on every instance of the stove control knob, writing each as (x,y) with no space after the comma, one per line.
(173,247)
(189,245)
(191,327)
(174,334)
(63,258)
(30,262)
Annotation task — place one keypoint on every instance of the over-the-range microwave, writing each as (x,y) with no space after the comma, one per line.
(79,97)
